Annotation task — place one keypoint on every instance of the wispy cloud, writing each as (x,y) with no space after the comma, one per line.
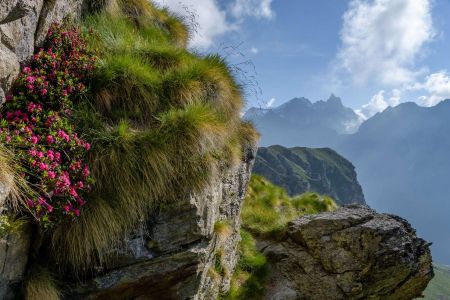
(382,40)
(254,8)
(271,102)
(375,105)
(436,87)
(254,50)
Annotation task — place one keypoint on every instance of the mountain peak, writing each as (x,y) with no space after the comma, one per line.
(301,100)
(334,100)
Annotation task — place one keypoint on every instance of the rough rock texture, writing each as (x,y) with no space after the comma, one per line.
(23,25)
(177,255)
(353,253)
(14,250)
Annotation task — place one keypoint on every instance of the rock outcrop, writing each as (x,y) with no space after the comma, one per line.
(301,170)
(353,253)
(177,254)
(23,26)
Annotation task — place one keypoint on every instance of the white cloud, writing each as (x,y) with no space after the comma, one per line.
(270,102)
(437,87)
(211,19)
(382,39)
(395,97)
(375,105)
(254,50)
(253,8)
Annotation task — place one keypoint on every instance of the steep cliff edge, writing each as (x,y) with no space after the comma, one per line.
(179,253)
(301,170)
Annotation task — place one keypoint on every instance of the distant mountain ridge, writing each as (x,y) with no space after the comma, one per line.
(401,155)
(315,124)
(301,170)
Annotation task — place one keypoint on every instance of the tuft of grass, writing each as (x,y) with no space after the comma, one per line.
(313,203)
(13,186)
(223,229)
(40,284)
(145,15)
(268,208)
(248,281)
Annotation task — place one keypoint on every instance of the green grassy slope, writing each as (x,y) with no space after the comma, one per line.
(301,170)
(439,287)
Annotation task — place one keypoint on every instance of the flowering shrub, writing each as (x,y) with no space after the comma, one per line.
(36,123)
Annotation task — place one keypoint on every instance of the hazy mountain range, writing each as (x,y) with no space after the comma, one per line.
(402,156)
(314,124)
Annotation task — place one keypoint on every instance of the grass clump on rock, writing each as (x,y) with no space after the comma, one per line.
(161,121)
(268,208)
(41,284)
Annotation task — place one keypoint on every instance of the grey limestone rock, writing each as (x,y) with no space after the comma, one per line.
(353,253)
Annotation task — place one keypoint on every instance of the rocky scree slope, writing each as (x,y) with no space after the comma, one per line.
(301,170)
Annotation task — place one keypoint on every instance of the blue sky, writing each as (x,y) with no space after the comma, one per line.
(371,53)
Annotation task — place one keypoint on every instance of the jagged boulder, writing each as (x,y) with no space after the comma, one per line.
(353,253)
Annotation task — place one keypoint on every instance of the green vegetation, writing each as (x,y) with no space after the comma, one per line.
(266,211)
(40,284)
(11,181)
(223,229)
(267,208)
(301,169)
(11,224)
(248,279)
(439,287)
(161,121)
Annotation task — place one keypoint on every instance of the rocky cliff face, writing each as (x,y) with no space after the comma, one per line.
(301,170)
(178,255)
(353,253)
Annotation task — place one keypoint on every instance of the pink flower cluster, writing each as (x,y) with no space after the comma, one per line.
(35,122)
